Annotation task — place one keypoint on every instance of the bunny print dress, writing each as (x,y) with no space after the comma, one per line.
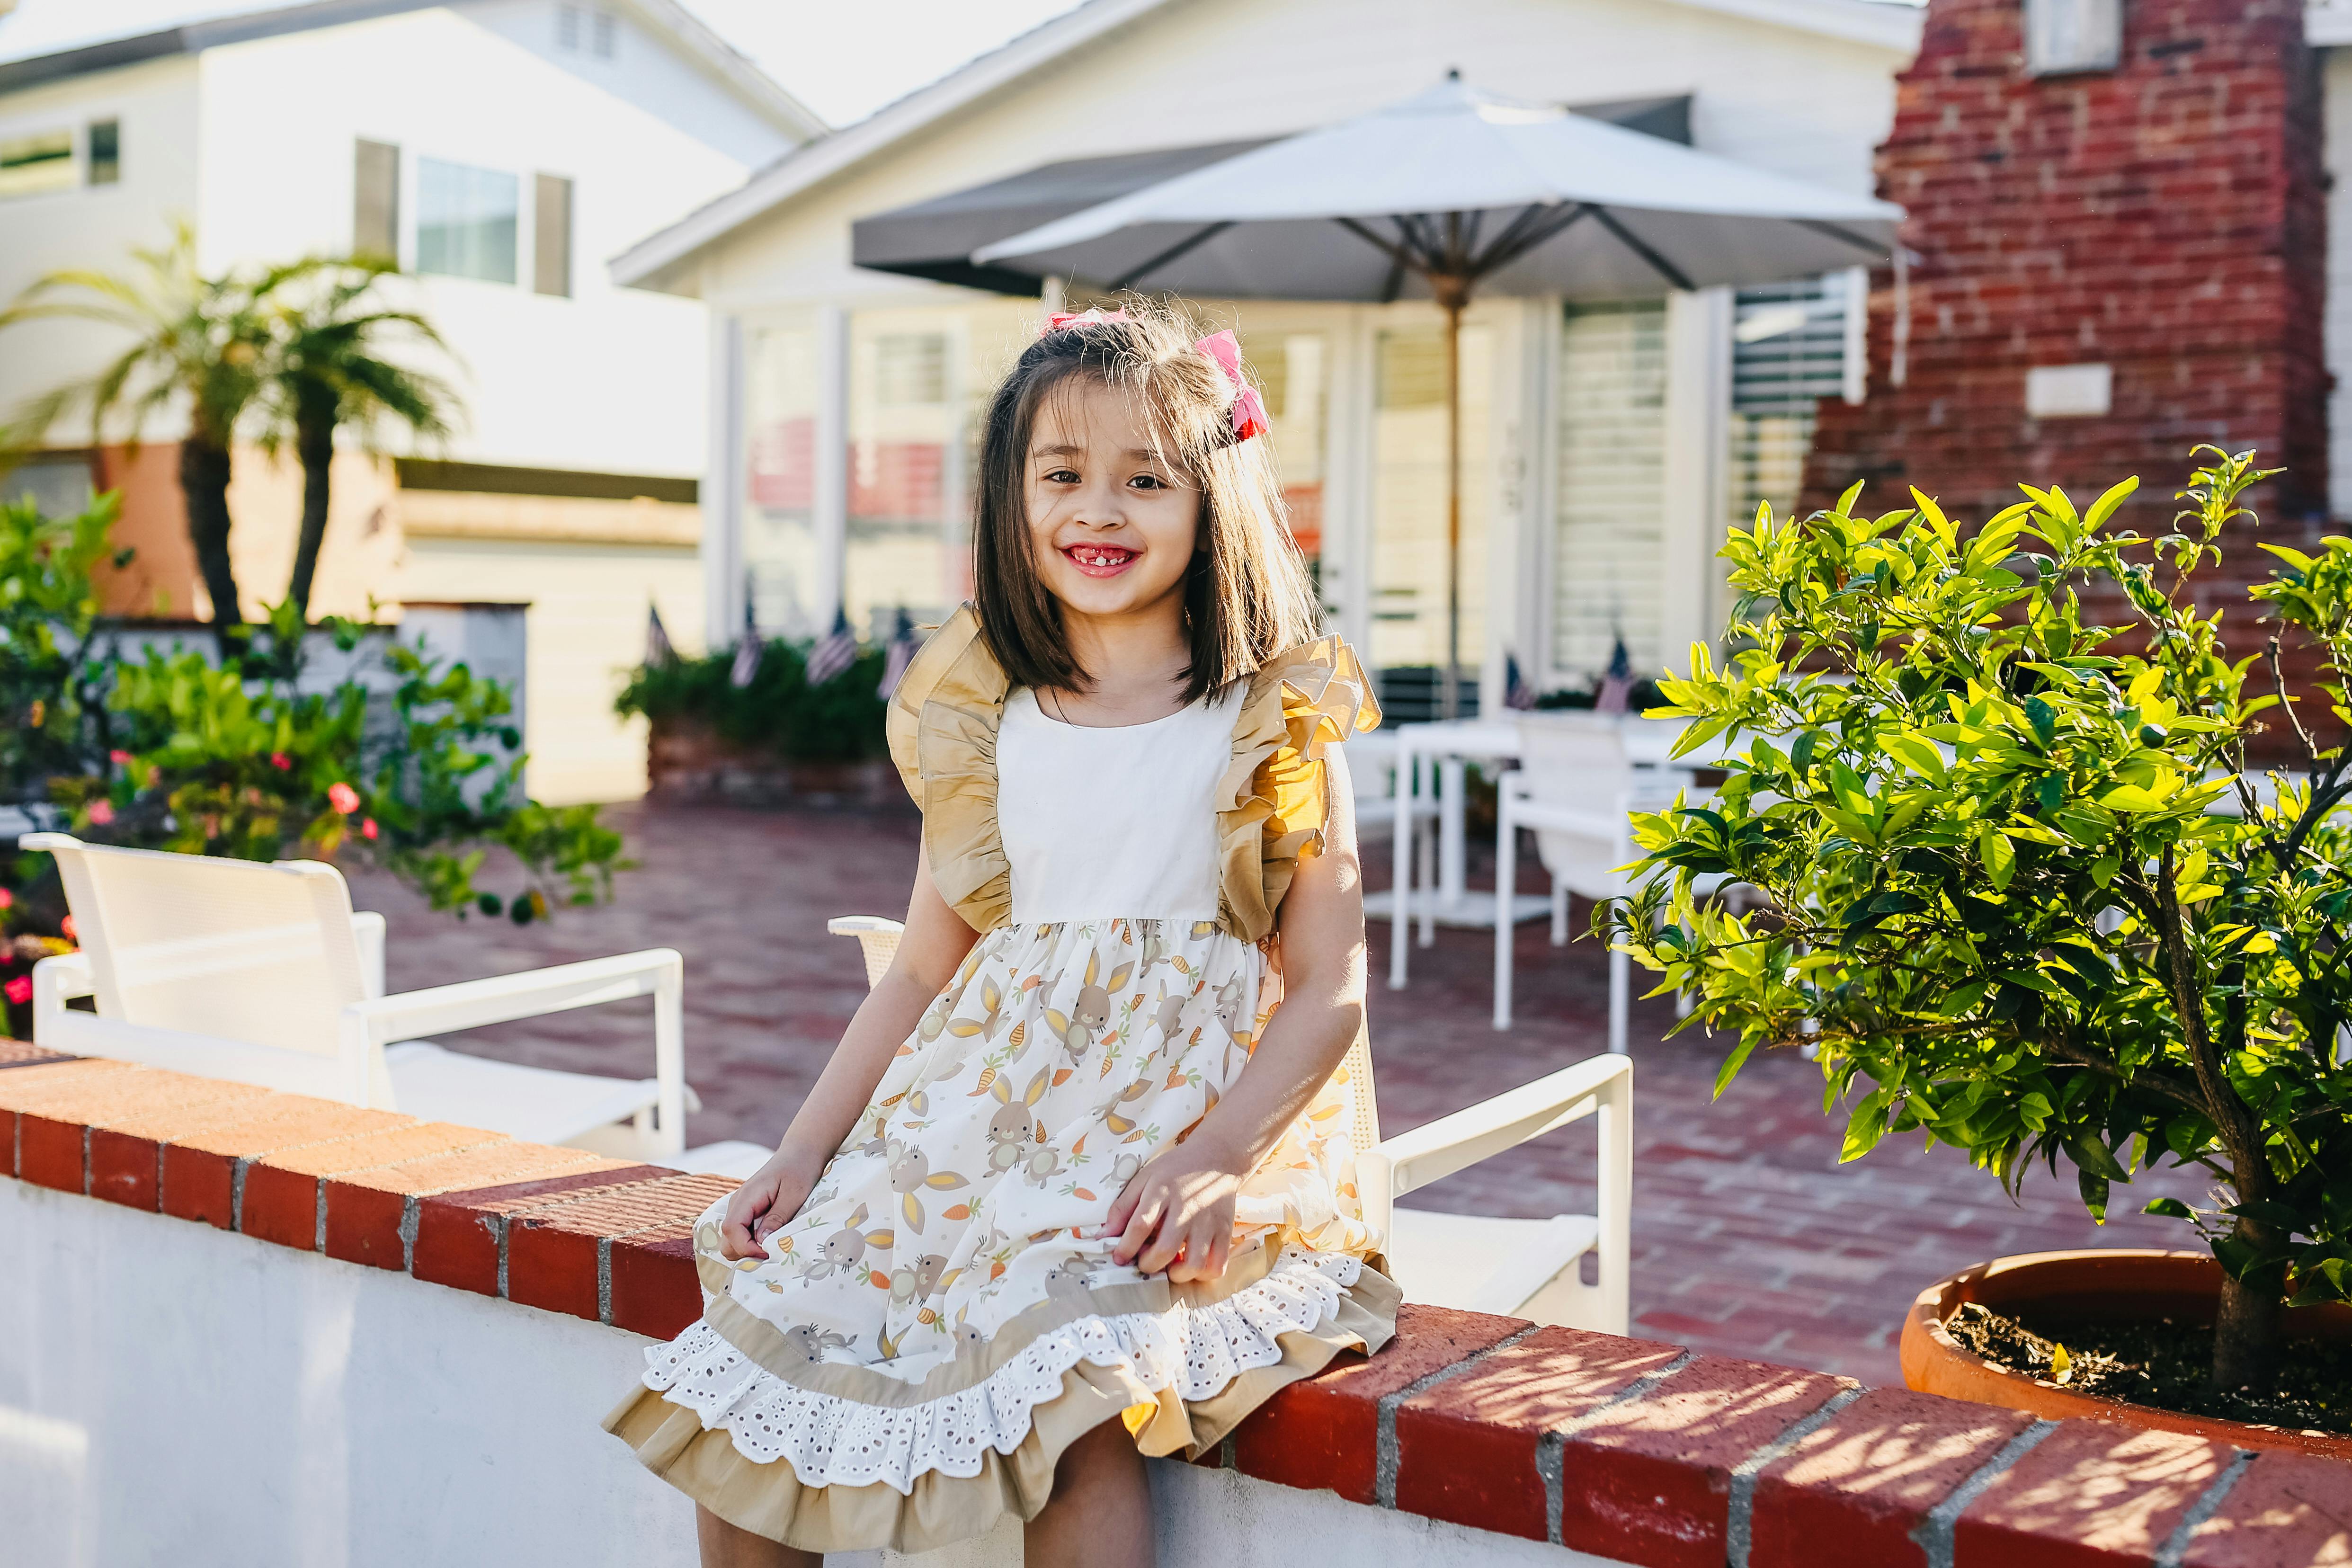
(935,1325)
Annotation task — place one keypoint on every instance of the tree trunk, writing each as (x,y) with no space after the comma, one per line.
(2246,1326)
(314,444)
(204,485)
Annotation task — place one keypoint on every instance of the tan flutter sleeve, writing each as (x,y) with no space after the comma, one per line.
(1274,799)
(943,726)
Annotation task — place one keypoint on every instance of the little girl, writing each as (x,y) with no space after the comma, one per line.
(1076,1187)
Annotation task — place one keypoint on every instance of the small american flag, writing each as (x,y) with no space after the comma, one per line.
(1516,693)
(750,649)
(899,655)
(658,648)
(836,653)
(1617,683)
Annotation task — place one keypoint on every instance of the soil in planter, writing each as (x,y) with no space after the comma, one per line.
(2162,1364)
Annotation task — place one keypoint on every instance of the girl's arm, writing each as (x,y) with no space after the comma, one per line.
(935,942)
(1177,1212)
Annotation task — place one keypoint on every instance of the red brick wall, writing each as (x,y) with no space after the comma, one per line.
(2166,218)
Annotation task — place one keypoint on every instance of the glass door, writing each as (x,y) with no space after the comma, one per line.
(1408,565)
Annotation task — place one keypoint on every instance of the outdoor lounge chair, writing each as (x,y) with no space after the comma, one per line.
(1576,789)
(1523,1267)
(264,974)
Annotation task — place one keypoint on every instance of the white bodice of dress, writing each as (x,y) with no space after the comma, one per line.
(1101,823)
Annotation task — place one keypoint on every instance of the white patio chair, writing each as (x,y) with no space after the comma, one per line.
(264,974)
(1479,1263)
(1577,789)
(1372,777)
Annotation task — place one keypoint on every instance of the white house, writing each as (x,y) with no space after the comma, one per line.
(502,150)
(1606,447)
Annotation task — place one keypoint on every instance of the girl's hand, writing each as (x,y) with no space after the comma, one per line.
(1177,1212)
(767,1202)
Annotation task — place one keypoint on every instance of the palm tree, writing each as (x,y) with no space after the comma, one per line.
(328,367)
(198,343)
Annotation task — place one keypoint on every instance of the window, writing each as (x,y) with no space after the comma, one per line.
(2062,36)
(375,201)
(43,161)
(1408,546)
(782,557)
(917,379)
(1607,562)
(466,221)
(1292,372)
(550,236)
(1790,346)
(577,27)
(105,166)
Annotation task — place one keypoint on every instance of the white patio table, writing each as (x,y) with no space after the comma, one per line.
(1436,755)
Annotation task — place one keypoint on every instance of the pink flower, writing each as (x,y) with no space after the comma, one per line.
(280,761)
(101,812)
(6,897)
(367,828)
(67,927)
(118,757)
(19,989)
(343,797)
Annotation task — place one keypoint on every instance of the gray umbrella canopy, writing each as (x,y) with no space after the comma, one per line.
(1450,192)
(1524,199)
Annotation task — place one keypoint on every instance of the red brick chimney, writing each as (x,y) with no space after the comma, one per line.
(2164,219)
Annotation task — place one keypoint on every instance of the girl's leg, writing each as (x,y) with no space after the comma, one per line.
(1100,1513)
(725,1546)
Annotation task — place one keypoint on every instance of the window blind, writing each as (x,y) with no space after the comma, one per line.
(1608,564)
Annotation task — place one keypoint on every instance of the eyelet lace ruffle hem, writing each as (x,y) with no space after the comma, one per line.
(1192,1351)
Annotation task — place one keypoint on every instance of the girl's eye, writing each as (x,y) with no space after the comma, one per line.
(1061,477)
(1149,482)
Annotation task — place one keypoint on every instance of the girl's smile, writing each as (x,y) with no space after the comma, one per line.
(1101,559)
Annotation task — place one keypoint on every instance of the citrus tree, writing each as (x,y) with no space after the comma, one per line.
(2023,894)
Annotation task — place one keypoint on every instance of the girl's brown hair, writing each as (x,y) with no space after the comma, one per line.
(1247,595)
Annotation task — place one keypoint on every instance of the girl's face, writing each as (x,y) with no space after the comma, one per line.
(1113,527)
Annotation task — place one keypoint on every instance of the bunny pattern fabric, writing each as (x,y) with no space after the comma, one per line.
(935,1326)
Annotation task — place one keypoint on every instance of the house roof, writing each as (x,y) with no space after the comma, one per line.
(652,262)
(47,40)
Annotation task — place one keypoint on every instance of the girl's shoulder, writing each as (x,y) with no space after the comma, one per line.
(953,669)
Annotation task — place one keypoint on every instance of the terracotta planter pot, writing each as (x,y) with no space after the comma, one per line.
(2093,1287)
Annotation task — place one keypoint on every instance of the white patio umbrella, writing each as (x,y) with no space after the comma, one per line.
(1448,193)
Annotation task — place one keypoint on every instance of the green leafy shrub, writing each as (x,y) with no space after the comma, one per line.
(778,711)
(52,681)
(2023,897)
(419,770)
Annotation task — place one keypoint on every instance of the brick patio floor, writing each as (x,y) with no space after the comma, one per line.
(1749,1238)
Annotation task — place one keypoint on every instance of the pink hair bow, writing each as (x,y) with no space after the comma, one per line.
(1249,409)
(1063,321)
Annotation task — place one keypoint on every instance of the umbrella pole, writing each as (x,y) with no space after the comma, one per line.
(1450,293)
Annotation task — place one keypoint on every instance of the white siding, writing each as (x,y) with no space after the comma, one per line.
(87,226)
(610,379)
(586,626)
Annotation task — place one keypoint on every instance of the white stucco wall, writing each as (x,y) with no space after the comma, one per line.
(85,225)
(609,379)
(171,1394)
(253,141)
